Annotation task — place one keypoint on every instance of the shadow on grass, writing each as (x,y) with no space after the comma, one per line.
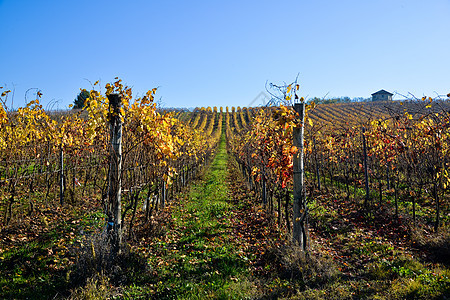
(212,274)
(30,273)
(36,271)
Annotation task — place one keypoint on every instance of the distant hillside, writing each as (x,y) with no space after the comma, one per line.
(361,112)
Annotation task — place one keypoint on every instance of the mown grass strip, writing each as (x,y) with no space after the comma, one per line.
(201,259)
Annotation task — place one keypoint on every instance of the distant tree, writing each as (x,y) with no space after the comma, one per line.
(317,100)
(78,103)
(345,99)
(361,99)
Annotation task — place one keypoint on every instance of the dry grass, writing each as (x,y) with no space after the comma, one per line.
(96,288)
(436,245)
(95,258)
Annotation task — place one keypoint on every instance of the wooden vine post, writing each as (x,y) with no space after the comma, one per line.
(300,208)
(61,175)
(264,187)
(114,206)
(366,169)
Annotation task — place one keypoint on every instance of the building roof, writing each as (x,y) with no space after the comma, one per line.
(382,92)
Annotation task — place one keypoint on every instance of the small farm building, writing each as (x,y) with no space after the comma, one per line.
(382,95)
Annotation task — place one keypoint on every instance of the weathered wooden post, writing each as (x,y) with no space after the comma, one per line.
(366,169)
(264,188)
(300,208)
(114,208)
(61,175)
(317,164)
(164,194)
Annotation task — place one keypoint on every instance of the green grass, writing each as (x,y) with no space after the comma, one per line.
(373,263)
(36,265)
(30,272)
(199,259)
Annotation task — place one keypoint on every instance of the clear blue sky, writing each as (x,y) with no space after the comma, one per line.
(221,53)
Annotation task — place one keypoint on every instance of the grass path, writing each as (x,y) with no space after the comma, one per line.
(201,256)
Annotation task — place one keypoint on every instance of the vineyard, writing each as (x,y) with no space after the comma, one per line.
(125,200)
